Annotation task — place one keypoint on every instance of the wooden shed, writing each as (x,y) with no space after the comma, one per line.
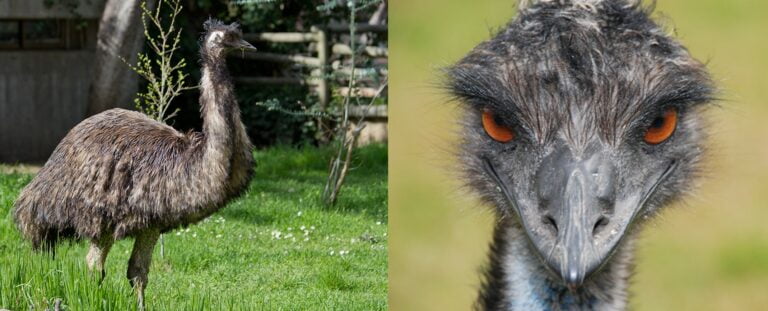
(46,59)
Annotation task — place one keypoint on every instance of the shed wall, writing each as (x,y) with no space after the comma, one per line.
(37,9)
(43,94)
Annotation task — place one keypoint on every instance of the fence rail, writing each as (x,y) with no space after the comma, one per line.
(283,37)
(327,64)
(322,69)
(283,58)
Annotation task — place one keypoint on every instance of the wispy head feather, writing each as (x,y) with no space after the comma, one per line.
(586,4)
(213,24)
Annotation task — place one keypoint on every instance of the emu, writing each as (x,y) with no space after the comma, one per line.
(120,174)
(582,119)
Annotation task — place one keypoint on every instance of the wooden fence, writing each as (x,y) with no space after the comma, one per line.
(326,63)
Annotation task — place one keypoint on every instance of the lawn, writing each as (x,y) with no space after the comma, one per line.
(275,248)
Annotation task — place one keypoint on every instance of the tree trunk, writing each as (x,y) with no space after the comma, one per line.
(121,34)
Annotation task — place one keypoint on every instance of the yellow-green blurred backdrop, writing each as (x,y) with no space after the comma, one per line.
(708,254)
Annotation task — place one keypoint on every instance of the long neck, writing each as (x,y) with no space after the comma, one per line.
(226,154)
(517,280)
(218,105)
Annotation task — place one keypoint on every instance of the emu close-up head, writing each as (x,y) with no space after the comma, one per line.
(583,118)
(224,38)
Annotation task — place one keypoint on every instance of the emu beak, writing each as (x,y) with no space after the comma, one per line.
(578,200)
(244,45)
(579,222)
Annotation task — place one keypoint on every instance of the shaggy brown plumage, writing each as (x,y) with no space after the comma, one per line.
(121,174)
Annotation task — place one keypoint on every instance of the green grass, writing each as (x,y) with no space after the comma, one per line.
(275,248)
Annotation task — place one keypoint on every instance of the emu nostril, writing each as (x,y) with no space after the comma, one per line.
(550,222)
(601,223)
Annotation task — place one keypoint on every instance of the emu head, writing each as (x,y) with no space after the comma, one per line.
(582,119)
(224,38)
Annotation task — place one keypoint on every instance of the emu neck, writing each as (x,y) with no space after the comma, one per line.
(226,159)
(518,280)
(217,99)
(217,102)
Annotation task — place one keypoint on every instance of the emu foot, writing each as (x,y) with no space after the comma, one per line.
(97,255)
(138,287)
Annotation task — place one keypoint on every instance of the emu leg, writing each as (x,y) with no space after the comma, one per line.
(97,254)
(141,258)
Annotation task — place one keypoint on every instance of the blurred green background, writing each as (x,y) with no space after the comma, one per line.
(710,253)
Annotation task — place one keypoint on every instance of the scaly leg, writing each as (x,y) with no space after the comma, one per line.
(141,258)
(97,254)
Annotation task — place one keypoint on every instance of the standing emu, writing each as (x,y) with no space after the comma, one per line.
(121,174)
(583,119)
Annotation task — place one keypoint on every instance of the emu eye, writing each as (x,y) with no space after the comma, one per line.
(662,127)
(497,131)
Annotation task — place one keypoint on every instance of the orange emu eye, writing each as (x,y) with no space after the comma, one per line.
(662,127)
(498,132)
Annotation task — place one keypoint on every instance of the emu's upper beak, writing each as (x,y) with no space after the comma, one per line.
(244,45)
(580,220)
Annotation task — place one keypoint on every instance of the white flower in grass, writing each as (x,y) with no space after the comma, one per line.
(276,234)
(378,222)
(332,252)
(299,214)
(218,236)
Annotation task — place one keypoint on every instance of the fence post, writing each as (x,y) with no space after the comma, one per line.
(321,73)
